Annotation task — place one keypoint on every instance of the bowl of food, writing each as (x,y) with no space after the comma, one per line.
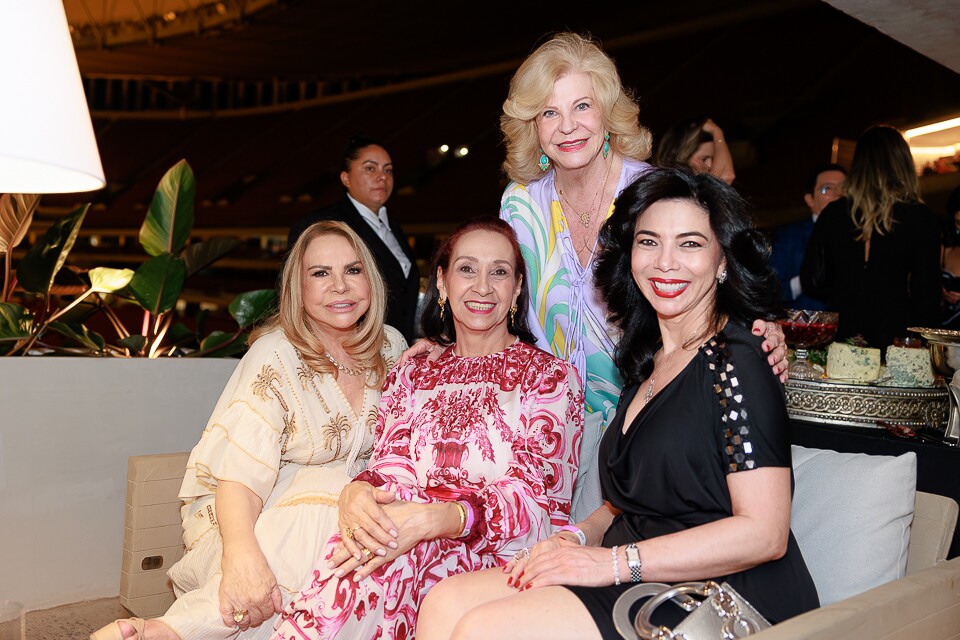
(805,329)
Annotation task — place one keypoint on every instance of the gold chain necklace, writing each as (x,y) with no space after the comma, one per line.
(586,217)
(347,370)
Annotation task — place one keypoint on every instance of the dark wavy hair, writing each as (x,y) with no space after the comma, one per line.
(443,331)
(751,290)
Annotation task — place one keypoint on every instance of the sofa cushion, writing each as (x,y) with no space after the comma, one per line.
(851,517)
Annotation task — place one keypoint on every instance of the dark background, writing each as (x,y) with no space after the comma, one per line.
(260,105)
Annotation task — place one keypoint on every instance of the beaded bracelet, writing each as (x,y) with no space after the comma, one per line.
(616,567)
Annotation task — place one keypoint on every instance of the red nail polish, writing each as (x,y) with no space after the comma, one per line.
(519,576)
(510,581)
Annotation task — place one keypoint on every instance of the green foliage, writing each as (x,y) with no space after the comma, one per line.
(155,286)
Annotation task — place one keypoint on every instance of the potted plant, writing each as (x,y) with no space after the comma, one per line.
(155,286)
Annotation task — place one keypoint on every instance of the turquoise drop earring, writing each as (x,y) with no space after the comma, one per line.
(606,145)
(544,161)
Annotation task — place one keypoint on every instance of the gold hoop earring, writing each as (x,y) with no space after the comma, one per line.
(441,303)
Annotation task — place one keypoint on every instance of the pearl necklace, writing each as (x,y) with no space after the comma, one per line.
(649,392)
(347,370)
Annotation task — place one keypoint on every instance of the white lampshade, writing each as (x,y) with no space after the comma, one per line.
(46,137)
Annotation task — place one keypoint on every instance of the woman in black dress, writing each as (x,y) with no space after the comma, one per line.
(695,467)
(874,256)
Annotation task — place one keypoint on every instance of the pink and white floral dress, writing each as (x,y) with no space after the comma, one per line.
(501,431)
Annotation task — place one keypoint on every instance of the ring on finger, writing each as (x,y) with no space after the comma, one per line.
(522,554)
(239,615)
(366,554)
(349,532)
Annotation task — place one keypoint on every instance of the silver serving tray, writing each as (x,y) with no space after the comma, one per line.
(861,405)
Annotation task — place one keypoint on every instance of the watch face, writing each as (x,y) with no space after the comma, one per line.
(633,555)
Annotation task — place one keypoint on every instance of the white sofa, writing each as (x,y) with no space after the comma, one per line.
(875,546)
(869,496)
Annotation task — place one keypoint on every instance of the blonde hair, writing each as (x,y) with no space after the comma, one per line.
(532,84)
(882,173)
(364,347)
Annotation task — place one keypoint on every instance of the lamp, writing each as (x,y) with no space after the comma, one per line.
(47,143)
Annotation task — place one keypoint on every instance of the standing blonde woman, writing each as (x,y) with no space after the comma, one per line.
(874,255)
(573,144)
(294,424)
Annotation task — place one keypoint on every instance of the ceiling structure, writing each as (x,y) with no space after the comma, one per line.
(258,95)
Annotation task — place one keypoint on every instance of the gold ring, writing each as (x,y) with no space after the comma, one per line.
(366,554)
(349,532)
(239,615)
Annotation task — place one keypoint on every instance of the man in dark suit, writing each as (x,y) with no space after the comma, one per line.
(824,185)
(368,177)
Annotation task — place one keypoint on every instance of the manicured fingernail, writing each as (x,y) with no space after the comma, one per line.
(510,581)
(392,544)
(519,576)
(356,557)
(338,573)
(357,577)
(330,564)
(381,552)
(527,586)
(393,532)
(504,569)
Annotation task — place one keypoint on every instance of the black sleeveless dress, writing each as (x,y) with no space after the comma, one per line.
(668,472)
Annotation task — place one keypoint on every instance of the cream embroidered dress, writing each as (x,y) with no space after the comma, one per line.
(289,435)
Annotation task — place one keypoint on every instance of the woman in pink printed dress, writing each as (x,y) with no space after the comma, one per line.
(476,453)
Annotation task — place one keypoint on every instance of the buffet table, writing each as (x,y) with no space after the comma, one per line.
(938,465)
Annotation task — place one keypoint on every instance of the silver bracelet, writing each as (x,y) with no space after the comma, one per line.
(633,562)
(616,567)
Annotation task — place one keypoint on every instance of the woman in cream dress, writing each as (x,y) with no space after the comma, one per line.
(294,424)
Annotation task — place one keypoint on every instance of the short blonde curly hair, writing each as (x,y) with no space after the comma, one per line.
(532,84)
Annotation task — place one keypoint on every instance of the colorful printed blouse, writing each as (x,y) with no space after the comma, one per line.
(566,312)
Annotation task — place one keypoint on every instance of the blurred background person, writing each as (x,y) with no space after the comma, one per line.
(824,185)
(950,262)
(874,256)
(367,175)
(697,143)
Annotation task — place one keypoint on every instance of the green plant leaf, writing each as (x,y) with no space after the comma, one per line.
(249,307)
(39,267)
(170,219)
(200,254)
(16,321)
(108,280)
(134,343)
(157,283)
(181,334)
(217,338)
(16,214)
(79,333)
